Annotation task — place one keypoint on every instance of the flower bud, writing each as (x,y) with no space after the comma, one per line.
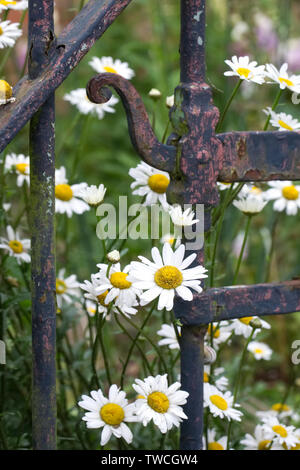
(113,256)
(154,94)
(170,101)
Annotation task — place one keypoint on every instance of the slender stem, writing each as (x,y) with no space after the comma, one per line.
(102,345)
(276,101)
(249,218)
(271,252)
(234,92)
(164,137)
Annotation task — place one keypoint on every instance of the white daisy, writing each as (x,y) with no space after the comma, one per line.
(213,443)
(169,238)
(244,69)
(13,5)
(221,333)
(169,336)
(9,33)
(79,98)
(107,64)
(159,402)
(91,308)
(16,246)
(182,218)
(242,327)
(250,189)
(277,410)
(166,276)
(223,186)
(67,197)
(220,382)
(6,93)
(110,413)
(250,205)
(92,195)
(260,440)
(282,78)
(151,183)
(286,196)
(260,350)
(279,433)
(66,288)
(20,165)
(6,206)
(220,404)
(283,121)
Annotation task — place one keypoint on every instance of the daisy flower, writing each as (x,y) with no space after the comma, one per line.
(66,288)
(79,99)
(160,402)
(169,336)
(182,218)
(151,183)
(6,93)
(13,5)
(223,186)
(213,443)
(249,189)
(260,350)
(107,64)
(220,404)
(278,410)
(260,440)
(286,196)
(220,382)
(221,333)
(169,238)
(280,433)
(16,246)
(92,195)
(250,205)
(91,308)
(166,276)
(244,69)
(242,327)
(9,33)
(67,197)
(283,121)
(19,164)
(282,78)
(110,413)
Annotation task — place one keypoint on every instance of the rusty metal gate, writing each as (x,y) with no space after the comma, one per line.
(205,158)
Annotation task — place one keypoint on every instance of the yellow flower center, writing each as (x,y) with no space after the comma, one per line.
(219,402)
(280,407)
(263,445)
(63,192)
(109,69)
(159,402)
(1,31)
(101,298)
(22,167)
(256,190)
(246,320)
(6,3)
(91,310)
(216,331)
(119,280)
(112,414)
(284,125)
(278,429)
(258,351)
(243,72)
(5,88)
(296,447)
(16,246)
(205,377)
(215,446)
(61,286)
(168,277)
(139,397)
(158,183)
(290,193)
(286,81)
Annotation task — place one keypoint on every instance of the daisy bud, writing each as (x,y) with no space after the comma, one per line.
(170,101)
(210,355)
(113,256)
(92,195)
(154,94)
(255,323)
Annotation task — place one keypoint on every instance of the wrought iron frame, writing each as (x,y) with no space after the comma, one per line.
(205,158)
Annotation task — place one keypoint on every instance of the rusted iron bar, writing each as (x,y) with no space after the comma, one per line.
(42,212)
(71,46)
(260,156)
(225,303)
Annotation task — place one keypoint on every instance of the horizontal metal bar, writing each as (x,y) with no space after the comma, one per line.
(64,54)
(260,156)
(226,303)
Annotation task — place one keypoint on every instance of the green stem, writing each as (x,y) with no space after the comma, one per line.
(249,218)
(276,101)
(164,137)
(271,252)
(234,92)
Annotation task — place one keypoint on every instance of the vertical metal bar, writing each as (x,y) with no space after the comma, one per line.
(42,211)
(192,66)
